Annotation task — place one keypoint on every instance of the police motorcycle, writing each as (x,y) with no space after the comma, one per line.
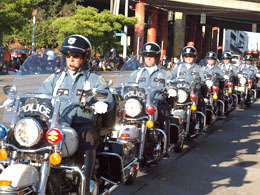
(215,104)
(246,94)
(138,118)
(230,96)
(185,116)
(39,150)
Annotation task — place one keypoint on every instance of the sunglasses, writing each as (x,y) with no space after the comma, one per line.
(74,55)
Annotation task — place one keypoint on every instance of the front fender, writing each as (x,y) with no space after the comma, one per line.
(20,175)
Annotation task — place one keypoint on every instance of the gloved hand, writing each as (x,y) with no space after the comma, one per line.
(8,102)
(172,93)
(100,107)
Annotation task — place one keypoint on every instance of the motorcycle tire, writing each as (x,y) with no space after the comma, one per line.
(131,178)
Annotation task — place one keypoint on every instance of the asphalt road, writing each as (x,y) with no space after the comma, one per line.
(224,161)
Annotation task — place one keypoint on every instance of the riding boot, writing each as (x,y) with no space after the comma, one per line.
(90,156)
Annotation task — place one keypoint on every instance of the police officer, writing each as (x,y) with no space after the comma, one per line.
(211,67)
(154,77)
(191,73)
(248,66)
(188,69)
(228,68)
(70,83)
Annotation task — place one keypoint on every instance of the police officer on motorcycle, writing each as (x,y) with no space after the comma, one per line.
(154,77)
(192,73)
(228,68)
(70,83)
(248,66)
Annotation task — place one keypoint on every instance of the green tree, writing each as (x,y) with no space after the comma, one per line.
(13,15)
(98,27)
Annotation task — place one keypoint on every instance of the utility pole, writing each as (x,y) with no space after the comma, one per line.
(34,13)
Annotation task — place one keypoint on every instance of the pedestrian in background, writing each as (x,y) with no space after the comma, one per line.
(6,59)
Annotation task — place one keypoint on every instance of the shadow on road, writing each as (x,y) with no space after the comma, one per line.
(224,161)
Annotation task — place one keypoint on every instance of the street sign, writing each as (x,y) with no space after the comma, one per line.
(119,34)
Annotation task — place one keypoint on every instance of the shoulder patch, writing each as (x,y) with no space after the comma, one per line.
(49,78)
(169,73)
(102,79)
(133,72)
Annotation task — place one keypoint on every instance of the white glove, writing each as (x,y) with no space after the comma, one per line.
(172,93)
(8,102)
(100,107)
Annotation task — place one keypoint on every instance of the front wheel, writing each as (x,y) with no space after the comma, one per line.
(131,178)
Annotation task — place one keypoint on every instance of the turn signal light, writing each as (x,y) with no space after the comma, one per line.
(5,183)
(193,107)
(249,86)
(230,84)
(54,136)
(230,91)
(216,88)
(149,124)
(3,154)
(150,109)
(55,159)
(215,97)
(125,135)
(194,97)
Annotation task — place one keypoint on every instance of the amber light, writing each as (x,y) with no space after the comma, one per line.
(249,87)
(230,91)
(3,154)
(55,159)
(193,107)
(125,135)
(215,97)
(149,124)
(5,183)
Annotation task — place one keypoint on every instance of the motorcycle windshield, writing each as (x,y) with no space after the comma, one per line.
(35,70)
(131,65)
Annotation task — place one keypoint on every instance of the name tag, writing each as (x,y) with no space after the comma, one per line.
(62,92)
(142,80)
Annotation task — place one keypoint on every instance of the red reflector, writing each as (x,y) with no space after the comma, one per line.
(194,97)
(216,88)
(150,109)
(230,84)
(209,90)
(54,136)
(250,81)
(122,113)
(226,84)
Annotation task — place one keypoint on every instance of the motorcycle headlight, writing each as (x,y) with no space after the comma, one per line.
(182,96)
(28,132)
(133,107)
(209,83)
(242,80)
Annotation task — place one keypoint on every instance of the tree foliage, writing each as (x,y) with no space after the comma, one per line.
(56,19)
(14,14)
(98,27)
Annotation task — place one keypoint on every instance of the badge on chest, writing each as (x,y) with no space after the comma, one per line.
(62,92)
